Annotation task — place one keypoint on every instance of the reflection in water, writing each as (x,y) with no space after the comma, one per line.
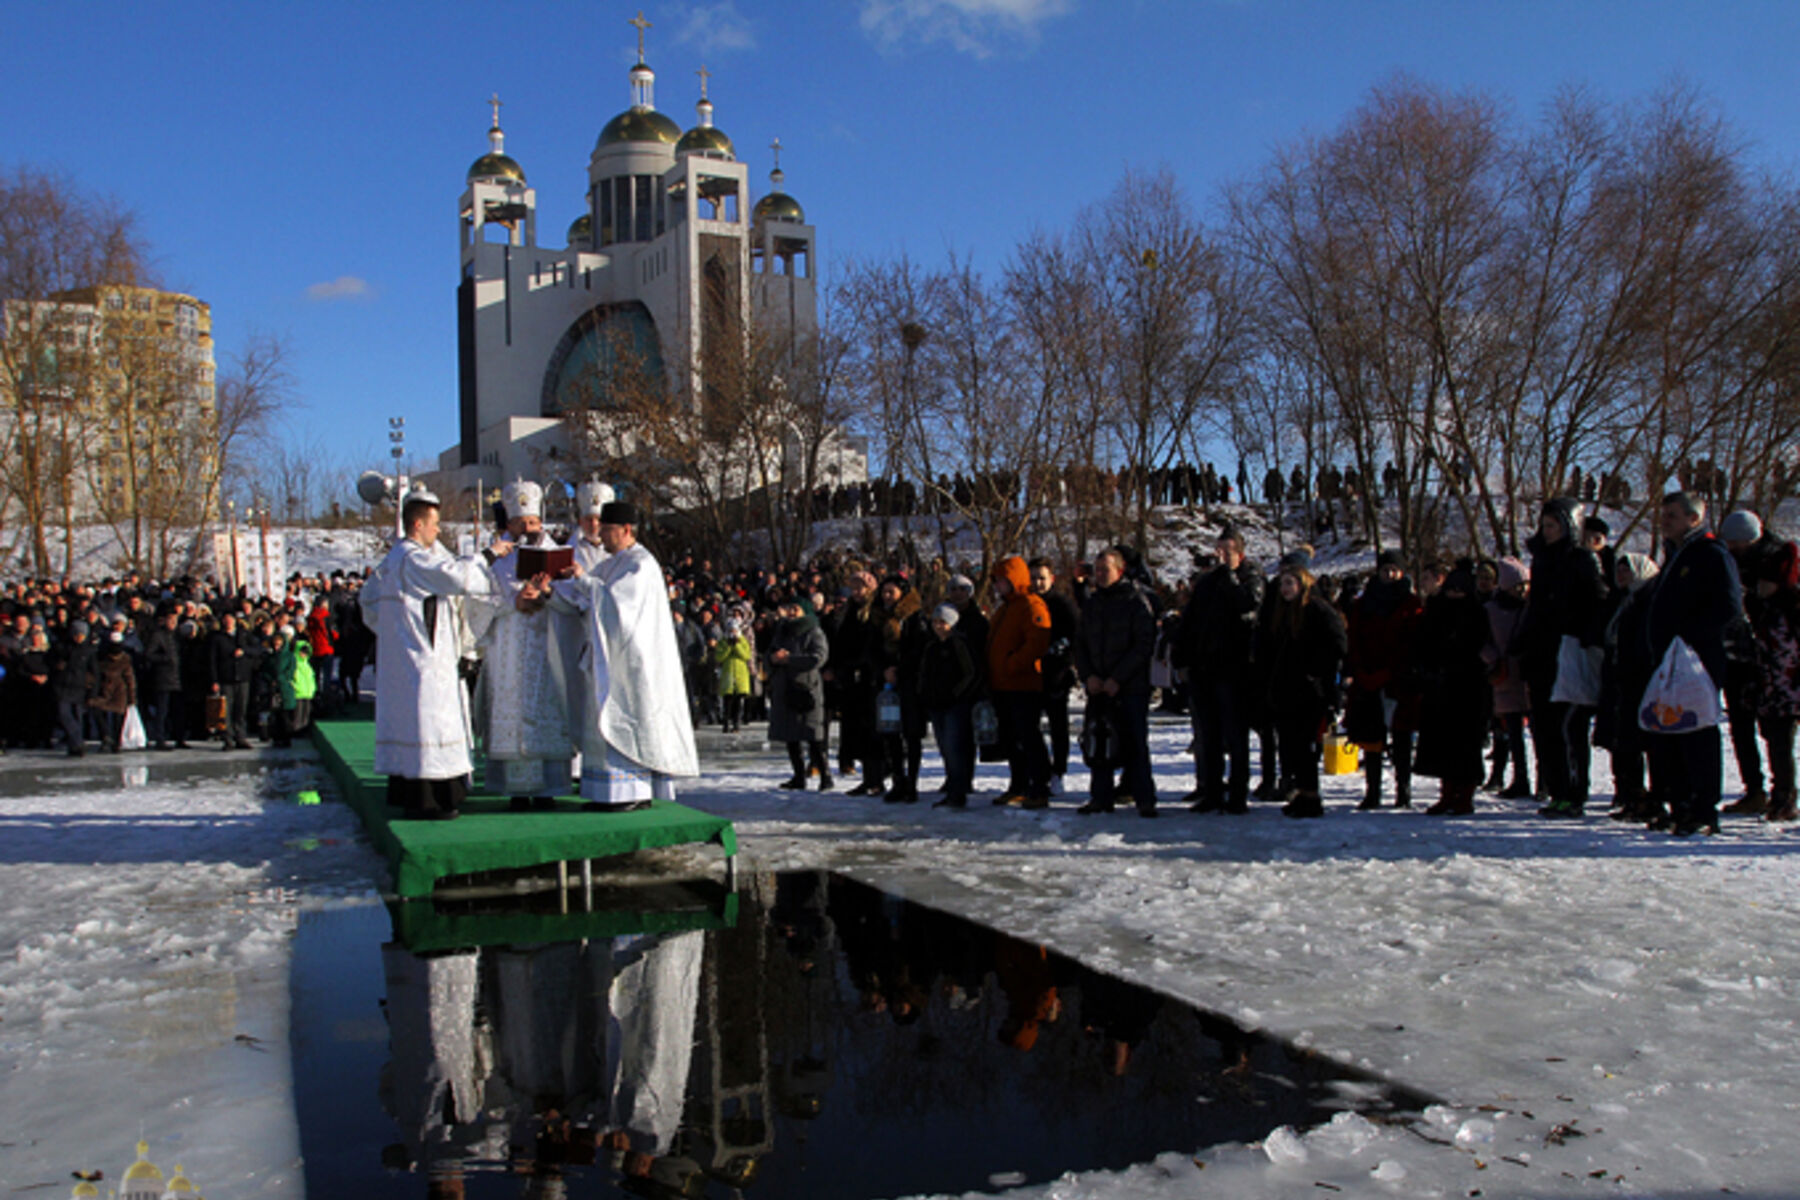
(835,1042)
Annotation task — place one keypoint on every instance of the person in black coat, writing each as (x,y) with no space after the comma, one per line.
(1455,700)
(1059,662)
(1112,659)
(196,677)
(233,663)
(1568,600)
(162,679)
(904,634)
(1623,677)
(1300,647)
(1744,535)
(949,683)
(1697,598)
(853,674)
(73,672)
(1217,629)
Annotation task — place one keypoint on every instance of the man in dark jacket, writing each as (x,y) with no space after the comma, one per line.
(162,678)
(1749,543)
(853,674)
(1218,627)
(1059,663)
(73,674)
(1568,600)
(1112,656)
(233,667)
(1698,596)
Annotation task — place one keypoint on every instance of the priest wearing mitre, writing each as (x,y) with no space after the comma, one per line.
(590,500)
(523,702)
(422,733)
(635,733)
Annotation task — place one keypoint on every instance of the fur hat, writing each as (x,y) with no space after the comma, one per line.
(1596,525)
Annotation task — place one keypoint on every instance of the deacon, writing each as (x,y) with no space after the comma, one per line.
(523,688)
(636,736)
(421,710)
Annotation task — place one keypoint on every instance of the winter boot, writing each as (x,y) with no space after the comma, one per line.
(1754,804)
(1782,807)
(1303,805)
(1372,782)
(1456,800)
(1402,790)
(1496,779)
(1565,810)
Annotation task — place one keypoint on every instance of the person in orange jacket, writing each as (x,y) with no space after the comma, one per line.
(1018,636)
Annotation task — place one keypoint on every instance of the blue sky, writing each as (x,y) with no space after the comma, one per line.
(298,165)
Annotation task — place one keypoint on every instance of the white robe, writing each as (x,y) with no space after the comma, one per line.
(636,705)
(421,707)
(524,696)
(650,1039)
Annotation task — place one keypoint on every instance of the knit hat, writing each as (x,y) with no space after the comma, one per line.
(961,583)
(1741,526)
(1296,560)
(947,613)
(1390,558)
(1596,525)
(78,628)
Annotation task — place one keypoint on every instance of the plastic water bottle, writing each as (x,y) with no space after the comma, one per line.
(887,710)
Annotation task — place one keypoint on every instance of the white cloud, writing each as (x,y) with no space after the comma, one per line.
(344,287)
(716,28)
(973,27)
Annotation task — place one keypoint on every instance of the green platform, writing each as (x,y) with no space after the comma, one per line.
(489,836)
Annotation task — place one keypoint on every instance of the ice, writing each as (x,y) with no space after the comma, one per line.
(1388,1171)
(1475,1134)
(1285,1147)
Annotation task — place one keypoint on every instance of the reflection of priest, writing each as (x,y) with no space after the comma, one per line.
(421,710)
(636,735)
(525,728)
(434,1082)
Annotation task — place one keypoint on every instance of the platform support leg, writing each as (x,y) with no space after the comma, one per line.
(562,884)
(587,885)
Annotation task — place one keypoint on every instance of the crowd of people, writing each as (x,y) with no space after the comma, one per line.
(1440,673)
(132,663)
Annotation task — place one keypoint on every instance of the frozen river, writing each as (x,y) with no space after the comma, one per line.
(1602,1010)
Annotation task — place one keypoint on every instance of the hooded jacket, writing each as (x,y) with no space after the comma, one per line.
(1568,593)
(1018,633)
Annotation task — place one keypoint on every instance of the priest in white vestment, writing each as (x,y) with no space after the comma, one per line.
(635,731)
(525,726)
(422,734)
(591,500)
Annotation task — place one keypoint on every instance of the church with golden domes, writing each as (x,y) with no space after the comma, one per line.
(666,252)
(143,1180)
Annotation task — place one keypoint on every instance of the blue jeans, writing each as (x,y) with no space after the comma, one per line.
(954,729)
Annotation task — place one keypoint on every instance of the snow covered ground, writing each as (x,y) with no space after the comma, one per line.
(1605,1011)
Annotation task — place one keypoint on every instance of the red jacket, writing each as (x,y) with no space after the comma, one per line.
(318,631)
(1018,633)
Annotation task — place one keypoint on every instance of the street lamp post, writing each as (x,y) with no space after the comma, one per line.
(397,436)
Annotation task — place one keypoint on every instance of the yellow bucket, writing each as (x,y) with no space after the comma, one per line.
(1341,756)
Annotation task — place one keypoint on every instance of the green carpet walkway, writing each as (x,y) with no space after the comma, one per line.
(490,836)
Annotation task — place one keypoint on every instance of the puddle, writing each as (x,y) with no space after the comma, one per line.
(810,1036)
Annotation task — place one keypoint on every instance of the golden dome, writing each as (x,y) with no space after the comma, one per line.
(705,139)
(83,1190)
(779,206)
(581,229)
(180,1184)
(638,124)
(496,166)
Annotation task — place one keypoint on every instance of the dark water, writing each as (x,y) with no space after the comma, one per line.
(809,1037)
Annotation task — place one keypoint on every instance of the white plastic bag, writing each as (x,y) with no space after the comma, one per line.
(131,733)
(1681,697)
(1577,674)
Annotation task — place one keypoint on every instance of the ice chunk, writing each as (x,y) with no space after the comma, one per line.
(1348,1134)
(1389,1171)
(1284,1147)
(1475,1133)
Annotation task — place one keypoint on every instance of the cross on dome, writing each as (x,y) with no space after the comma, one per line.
(494,102)
(776,147)
(704,75)
(641,25)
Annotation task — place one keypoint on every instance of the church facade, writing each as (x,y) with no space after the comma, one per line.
(667,252)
